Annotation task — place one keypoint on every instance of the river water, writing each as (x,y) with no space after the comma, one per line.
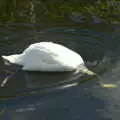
(56,96)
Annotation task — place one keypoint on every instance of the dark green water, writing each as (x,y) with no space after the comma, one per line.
(54,96)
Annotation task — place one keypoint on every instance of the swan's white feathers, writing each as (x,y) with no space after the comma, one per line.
(46,56)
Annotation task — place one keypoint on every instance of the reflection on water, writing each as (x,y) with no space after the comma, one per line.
(86,101)
(36,81)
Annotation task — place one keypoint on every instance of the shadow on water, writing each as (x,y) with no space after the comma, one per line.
(24,94)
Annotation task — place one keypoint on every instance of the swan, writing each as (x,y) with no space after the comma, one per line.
(50,57)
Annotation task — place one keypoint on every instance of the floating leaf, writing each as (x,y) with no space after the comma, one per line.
(108,85)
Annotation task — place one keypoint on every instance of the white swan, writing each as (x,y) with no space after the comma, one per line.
(48,56)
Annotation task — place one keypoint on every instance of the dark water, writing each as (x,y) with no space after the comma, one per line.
(55,96)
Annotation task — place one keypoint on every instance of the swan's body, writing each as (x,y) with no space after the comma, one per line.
(47,56)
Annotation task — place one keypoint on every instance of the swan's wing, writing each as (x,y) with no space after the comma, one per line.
(50,57)
(44,60)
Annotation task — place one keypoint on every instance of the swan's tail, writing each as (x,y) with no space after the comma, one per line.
(11,59)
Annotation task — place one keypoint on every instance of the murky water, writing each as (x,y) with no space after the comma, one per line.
(51,96)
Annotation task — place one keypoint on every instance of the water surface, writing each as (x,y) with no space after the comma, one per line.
(51,96)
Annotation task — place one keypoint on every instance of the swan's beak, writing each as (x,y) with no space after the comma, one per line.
(83,69)
(87,71)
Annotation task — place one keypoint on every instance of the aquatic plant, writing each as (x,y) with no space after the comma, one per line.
(16,10)
(79,10)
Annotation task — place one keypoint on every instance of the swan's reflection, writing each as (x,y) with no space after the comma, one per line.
(32,82)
